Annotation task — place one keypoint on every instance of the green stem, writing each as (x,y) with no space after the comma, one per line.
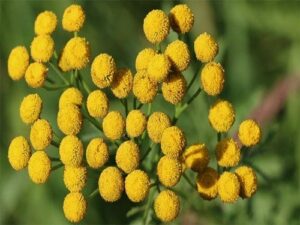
(134,102)
(54,87)
(53,159)
(84,84)
(148,206)
(93,122)
(193,79)
(50,80)
(189,181)
(55,144)
(140,106)
(59,73)
(125,104)
(149,109)
(94,193)
(57,167)
(148,151)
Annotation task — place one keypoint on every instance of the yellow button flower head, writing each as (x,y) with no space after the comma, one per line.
(128,156)
(111,184)
(73,18)
(228,153)
(103,70)
(221,116)
(31,108)
(169,171)
(205,47)
(172,141)
(248,181)
(228,187)
(156,125)
(122,83)
(207,183)
(75,178)
(42,48)
(97,153)
(71,151)
(75,207)
(41,134)
(114,125)
(136,122)
(159,67)
(39,167)
(196,157)
(71,96)
(181,18)
(18,153)
(137,185)
(35,75)
(174,88)
(167,206)
(97,104)
(179,55)
(249,133)
(45,23)
(156,26)
(18,62)
(143,58)
(144,89)
(69,119)
(212,78)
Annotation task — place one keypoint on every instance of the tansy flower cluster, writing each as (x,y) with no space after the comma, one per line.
(125,141)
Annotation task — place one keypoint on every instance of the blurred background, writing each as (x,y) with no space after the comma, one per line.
(260,51)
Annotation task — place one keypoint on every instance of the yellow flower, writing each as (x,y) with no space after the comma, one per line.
(212,78)
(35,75)
(156,26)
(249,133)
(39,167)
(41,134)
(159,67)
(196,157)
(71,96)
(75,178)
(228,153)
(136,122)
(228,187)
(167,206)
(207,183)
(18,62)
(172,142)
(111,184)
(181,18)
(157,123)
(69,119)
(97,104)
(71,151)
(75,207)
(143,58)
(137,185)
(169,171)
(42,48)
(45,23)
(174,88)
(221,116)
(179,55)
(122,83)
(19,153)
(30,108)
(248,181)
(97,153)
(128,156)
(114,125)
(73,18)
(205,47)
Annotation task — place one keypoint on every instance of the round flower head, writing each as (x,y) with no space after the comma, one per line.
(97,104)
(136,122)
(31,108)
(97,153)
(228,153)
(45,23)
(249,133)
(143,58)
(196,157)
(41,134)
(167,206)
(42,48)
(169,171)
(207,183)
(144,89)
(248,181)
(71,96)
(111,184)
(156,26)
(157,123)
(137,185)
(18,153)
(172,141)
(18,62)
(73,18)
(181,18)
(205,47)
(35,75)
(174,88)
(122,83)
(228,187)
(113,125)
(159,67)
(103,70)
(221,116)
(71,151)
(69,119)
(212,78)
(75,178)
(128,156)
(179,55)
(39,167)
(75,207)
